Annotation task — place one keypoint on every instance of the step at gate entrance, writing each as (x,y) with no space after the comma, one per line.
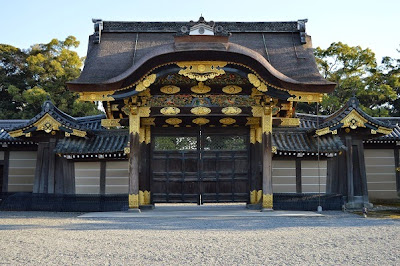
(200,166)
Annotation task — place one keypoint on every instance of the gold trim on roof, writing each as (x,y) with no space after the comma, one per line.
(96,96)
(108,123)
(201,70)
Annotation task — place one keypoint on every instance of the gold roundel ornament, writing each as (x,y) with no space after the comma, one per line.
(173,121)
(170,111)
(231,89)
(170,89)
(231,110)
(200,88)
(200,110)
(227,121)
(200,121)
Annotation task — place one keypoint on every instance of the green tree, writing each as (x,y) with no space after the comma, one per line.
(355,72)
(39,73)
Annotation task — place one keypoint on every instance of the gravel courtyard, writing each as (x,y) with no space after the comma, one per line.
(37,238)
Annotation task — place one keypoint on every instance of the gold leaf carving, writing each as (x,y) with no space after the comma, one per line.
(231,89)
(200,110)
(173,121)
(96,96)
(227,121)
(309,97)
(107,123)
(141,86)
(201,70)
(170,89)
(257,83)
(201,121)
(231,110)
(268,201)
(133,201)
(353,120)
(147,121)
(170,110)
(200,88)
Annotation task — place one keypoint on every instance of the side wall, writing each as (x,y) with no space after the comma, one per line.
(105,177)
(21,172)
(381,174)
(285,177)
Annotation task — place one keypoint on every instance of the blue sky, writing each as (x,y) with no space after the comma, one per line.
(373,24)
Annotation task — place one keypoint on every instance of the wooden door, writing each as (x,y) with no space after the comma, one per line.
(200,165)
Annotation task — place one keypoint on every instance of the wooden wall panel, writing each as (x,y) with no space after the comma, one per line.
(381,173)
(117,177)
(1,155)
(21,173)
(310,181)
(284,176)
(87,177)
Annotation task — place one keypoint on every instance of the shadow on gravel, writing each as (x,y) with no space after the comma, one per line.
(228,224)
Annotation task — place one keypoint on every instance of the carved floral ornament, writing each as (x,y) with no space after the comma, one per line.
(200,88)
(200,121)
(231,110)
(170,89)
(173,121)
(227,121)
(170,111)
(232,89)
(201,70)
(201,110)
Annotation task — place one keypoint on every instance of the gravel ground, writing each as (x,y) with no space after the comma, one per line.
(36,238)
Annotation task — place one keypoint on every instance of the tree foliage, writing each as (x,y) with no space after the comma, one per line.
(29,77)
(356,72)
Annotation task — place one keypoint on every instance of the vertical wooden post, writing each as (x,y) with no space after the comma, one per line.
(397,168)
(298,176)
(134,127)
(6,167)
(349,169)
(266,124)
(52,163)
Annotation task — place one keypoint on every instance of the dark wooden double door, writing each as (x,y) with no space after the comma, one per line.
(208,165)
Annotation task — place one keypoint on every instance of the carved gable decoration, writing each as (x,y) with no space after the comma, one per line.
(50,121)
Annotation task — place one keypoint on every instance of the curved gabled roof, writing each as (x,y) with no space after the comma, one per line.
(128,52)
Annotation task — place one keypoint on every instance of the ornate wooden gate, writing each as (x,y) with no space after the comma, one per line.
(200,165)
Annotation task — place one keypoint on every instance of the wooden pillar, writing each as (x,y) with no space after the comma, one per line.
(52,163)
(266,124)
(144,173)
(362,171)
(349,169)
(255,160)
(134,127)
(6,167)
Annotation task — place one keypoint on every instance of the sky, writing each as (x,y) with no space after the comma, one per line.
(370,24)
